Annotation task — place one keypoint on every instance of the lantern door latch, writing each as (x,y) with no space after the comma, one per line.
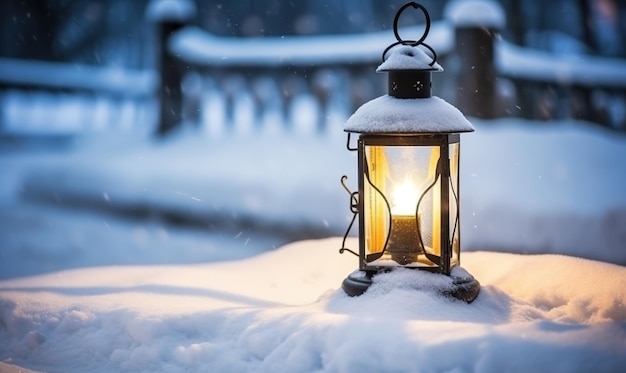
(354,208)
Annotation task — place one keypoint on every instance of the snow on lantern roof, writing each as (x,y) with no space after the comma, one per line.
(406,57)
(387,114)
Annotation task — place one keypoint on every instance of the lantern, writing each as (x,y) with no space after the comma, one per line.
(408,153)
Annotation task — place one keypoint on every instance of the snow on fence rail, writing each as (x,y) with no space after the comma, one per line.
(52,98)
(64,76)
(201,48)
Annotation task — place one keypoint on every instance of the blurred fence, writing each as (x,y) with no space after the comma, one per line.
(485,76)
(220,82)
(48,98)
(544,86)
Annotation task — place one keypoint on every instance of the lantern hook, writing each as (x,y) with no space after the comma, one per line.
(350,148)
(354,208)
(412,43)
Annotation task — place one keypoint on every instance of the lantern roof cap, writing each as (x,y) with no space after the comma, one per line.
(407,57)
(390,115)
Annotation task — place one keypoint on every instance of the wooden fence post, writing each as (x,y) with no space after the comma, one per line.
(168,17)
(476,23)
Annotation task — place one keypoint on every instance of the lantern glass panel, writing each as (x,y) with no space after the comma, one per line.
(454,204)
(402,205)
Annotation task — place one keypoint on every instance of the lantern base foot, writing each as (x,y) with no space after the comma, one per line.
(357,282)
(465,288)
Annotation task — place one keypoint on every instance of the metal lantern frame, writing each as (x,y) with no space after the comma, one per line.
(448,191)
(389,239)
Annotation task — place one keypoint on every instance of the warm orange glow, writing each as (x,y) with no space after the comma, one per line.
(404,198)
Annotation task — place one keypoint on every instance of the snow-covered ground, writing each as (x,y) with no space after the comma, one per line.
(282,312)
(148,295)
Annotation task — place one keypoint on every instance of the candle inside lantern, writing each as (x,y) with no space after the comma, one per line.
(404,239)
(404,198)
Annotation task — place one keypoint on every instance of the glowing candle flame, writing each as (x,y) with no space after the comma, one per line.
(404,198)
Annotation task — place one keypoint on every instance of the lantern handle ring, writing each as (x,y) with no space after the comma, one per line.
(412,43)
(397,18)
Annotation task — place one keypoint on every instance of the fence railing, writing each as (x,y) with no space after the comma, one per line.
(547,86)
(49,98)
(485,76)
(222,82)
(336,72)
